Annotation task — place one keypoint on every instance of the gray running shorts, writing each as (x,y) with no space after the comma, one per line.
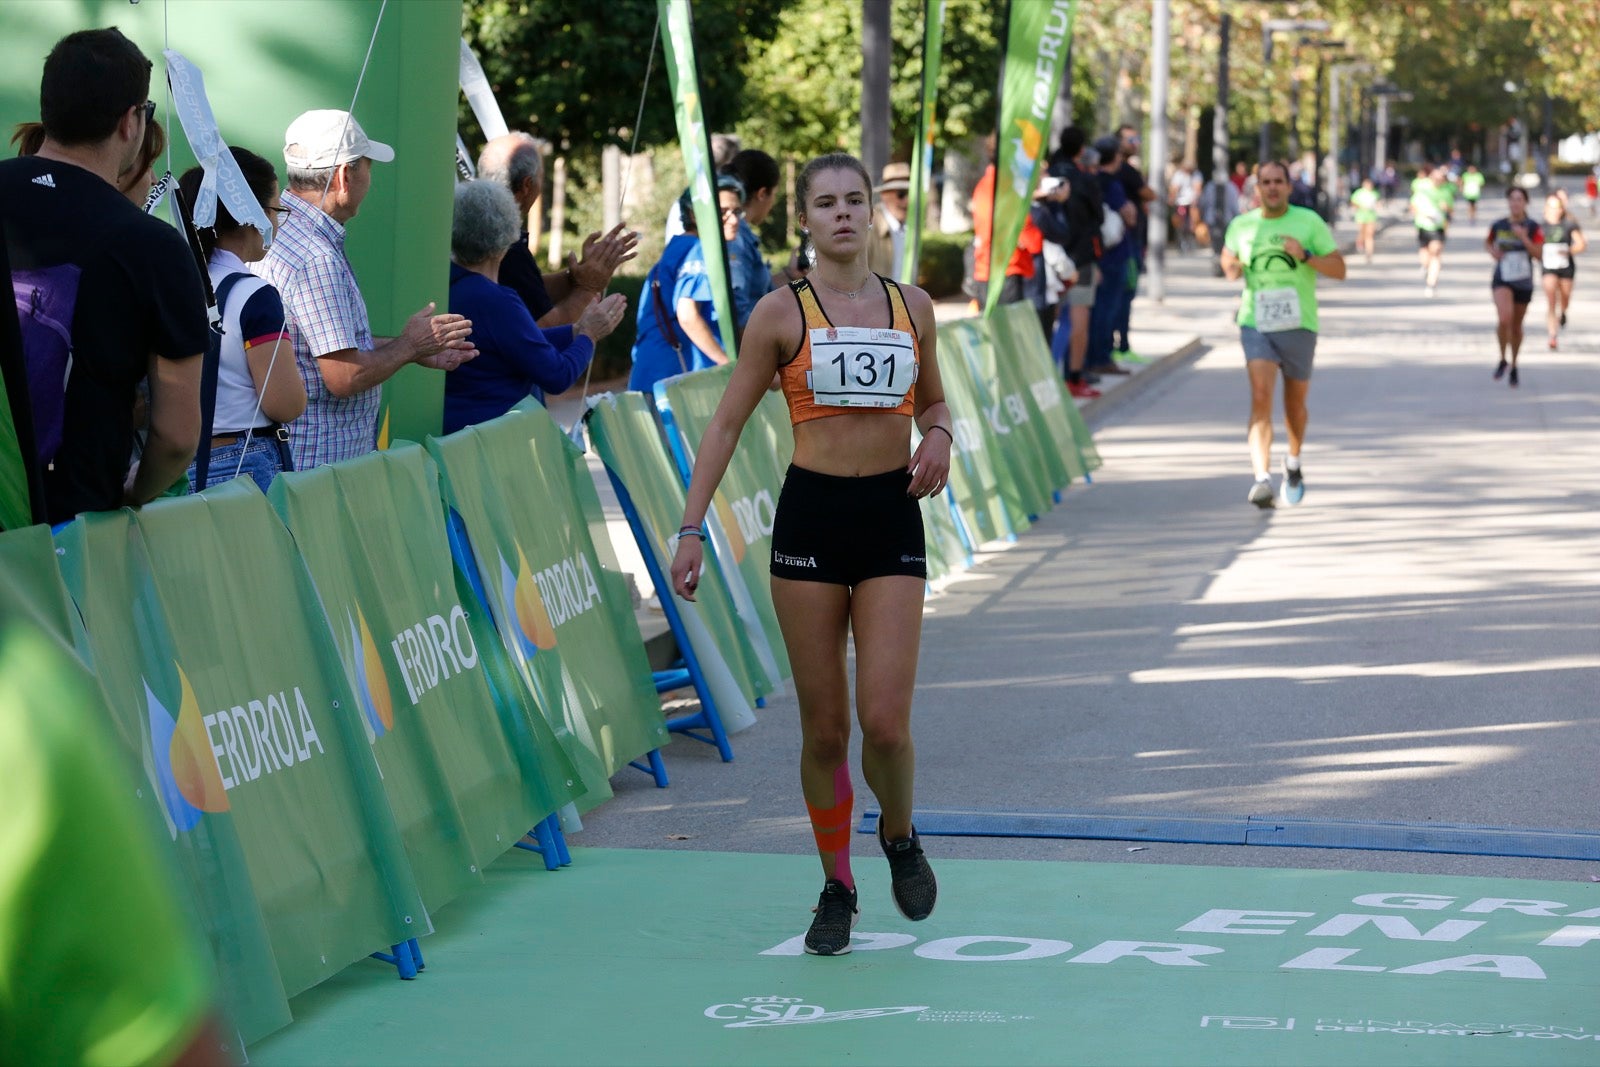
(1290,349)
(1081,294)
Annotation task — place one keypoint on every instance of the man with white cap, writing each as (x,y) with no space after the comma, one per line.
(886,247)
(329,159)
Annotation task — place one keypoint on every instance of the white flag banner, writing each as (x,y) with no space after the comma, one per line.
(479,96)
(223,178)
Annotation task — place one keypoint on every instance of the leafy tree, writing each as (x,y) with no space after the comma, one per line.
(571,71)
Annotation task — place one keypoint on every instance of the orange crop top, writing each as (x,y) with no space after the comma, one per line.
(838,370)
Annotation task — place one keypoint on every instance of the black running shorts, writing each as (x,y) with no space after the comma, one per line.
(845,530)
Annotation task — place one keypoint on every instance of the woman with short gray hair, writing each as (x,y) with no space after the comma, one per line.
(515,357)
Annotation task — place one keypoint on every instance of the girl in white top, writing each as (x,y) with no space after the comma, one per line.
(259,388)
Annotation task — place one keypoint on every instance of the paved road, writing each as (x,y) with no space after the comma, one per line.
(1419,641)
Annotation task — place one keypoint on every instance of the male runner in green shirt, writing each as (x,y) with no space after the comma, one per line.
(1278,250)
(1471,188)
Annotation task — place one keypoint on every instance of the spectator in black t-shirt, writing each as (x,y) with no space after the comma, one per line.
(139,310)
(558,298)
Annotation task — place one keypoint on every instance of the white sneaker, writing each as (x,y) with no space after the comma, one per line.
(1261,494)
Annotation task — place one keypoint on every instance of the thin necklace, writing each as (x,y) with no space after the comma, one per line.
(847,293)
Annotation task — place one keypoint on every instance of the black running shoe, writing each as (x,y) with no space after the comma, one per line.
(915,890)
(1563,318)
(836,917)
(1513,377)
(1500,371)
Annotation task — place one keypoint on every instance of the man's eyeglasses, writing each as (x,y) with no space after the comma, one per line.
(733,212)
(149,109)
(280,212)
(899,194)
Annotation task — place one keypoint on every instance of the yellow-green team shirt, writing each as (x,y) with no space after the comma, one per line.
(1472,185)
(1280,292)
(1365,201)
(1431,206)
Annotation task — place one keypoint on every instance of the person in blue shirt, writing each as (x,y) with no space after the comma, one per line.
(752,278)
(515,357)
(1112,267)
(677,329)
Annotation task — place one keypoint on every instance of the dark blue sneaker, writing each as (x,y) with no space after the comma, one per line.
(836,917)
(1294,486)
(1500,371)
(914,889)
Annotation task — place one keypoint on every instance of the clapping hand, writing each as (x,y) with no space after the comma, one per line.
(602,255)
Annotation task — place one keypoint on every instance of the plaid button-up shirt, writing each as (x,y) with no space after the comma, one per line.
(326,314)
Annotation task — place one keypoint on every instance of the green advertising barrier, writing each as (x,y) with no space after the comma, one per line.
(1022,439)
(209,643)
(462,778)
(623,429)
(747,499)
(213,881)
(946,551)
(978,473)
(32,580)
(1017,329)
(266,61)
(564,612)
(1055,463)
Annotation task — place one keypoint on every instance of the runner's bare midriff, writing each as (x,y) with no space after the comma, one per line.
(854,444)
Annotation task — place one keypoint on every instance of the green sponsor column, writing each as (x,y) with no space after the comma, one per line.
(1013,417)
(974,462)
(623,429)
(266,62)
(1010,484)
(747,499)
(1038,38)
(372,534)
(1018,336)
(677,41)
(922,146)
(565,617)
(208,639)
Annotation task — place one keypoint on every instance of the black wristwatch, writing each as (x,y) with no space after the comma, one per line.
(1305,257)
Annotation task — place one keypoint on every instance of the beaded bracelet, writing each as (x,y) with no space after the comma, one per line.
(698,531)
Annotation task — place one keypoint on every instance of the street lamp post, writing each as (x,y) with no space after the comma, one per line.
(1268,28)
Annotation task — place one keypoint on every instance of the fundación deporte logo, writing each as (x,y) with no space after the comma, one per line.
(793,1011)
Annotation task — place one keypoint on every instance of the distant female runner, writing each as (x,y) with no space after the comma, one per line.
(1513,243)
(854,353)
(1562,240)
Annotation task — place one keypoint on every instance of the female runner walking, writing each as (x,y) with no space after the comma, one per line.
(1562,240)
(854,353)
(1513,242)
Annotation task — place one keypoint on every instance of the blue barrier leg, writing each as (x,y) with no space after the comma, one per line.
(416,954)
(560,840)
(707,718)
(546,842)
(654,767)
(400,956)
